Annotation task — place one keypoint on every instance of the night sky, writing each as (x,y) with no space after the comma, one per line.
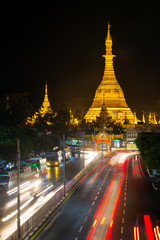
(64,44)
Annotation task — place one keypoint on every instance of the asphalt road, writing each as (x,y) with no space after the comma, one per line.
(112,202)
(51,179)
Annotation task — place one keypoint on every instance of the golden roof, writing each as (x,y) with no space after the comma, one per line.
(109,89)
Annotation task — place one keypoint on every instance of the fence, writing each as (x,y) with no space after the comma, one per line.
(41,216)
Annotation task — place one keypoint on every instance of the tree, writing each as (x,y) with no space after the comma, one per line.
(104,120)
(149,146)
(14,110)
(8,142)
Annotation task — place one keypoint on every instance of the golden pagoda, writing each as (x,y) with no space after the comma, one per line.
(45,108)
(110,90)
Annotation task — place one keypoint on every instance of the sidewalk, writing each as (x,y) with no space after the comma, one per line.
(155,195)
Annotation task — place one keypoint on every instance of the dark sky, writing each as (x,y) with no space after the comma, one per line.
(64,44)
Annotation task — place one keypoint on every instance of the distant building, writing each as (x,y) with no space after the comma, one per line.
(44,109)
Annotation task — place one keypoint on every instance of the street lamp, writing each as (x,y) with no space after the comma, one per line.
(64,163)
(18,192)
(102,145)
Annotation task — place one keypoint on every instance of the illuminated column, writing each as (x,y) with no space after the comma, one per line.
(143,118)
(135,118)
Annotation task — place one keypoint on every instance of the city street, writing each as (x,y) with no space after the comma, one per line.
(32,191)
(112,202)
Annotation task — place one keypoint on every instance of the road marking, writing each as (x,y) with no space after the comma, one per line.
(121,229)
(76,238)
(124,204)
(124,198)
(124,211)
(97,192)
(95,198)
(90,210)
(93,203)
(125,193)
(81,228)
(85,219)
(103,219)
(122,220)
(100,188)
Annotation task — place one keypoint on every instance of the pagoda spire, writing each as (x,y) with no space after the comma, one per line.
(109,70)
(46,107)
(108,38)
(109,92)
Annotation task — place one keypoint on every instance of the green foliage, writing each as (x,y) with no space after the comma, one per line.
(149,146)
(14,110)
(46,143)
(8,141)
(104,120)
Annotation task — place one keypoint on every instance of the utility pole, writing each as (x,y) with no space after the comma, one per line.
(18,192)
(102,145)
(64,165)
(83,150)
(94,143)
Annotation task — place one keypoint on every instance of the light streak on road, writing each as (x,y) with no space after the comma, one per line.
(110,197)
(148,227)
(89,172)
(89,157)
(13,202)
(15,212)
(140,166)
(101,170)
(45,190)
(103,219)
(136,233)
(156,232)
(14,190)
(35,184)
(114,209)
(40,202)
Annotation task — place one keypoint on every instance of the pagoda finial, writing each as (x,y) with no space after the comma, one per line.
(109,25)
(108,38)
(46,88)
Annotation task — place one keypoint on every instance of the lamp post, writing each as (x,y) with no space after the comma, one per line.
(110,138)
(102,145)
(18,192)
(94,143)
(83,150)
(64,165)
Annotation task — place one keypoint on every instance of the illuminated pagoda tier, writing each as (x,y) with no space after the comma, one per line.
(45,109)
(110,90)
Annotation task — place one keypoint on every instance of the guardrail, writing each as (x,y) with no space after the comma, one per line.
(40,217)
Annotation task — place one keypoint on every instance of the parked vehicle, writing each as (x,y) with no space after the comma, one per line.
(7,178)
(37,163)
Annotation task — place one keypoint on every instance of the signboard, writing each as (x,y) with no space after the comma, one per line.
(104,140)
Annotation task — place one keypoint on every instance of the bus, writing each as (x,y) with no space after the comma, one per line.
(37,163)
(67,153)
(7,178)
(55,158)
